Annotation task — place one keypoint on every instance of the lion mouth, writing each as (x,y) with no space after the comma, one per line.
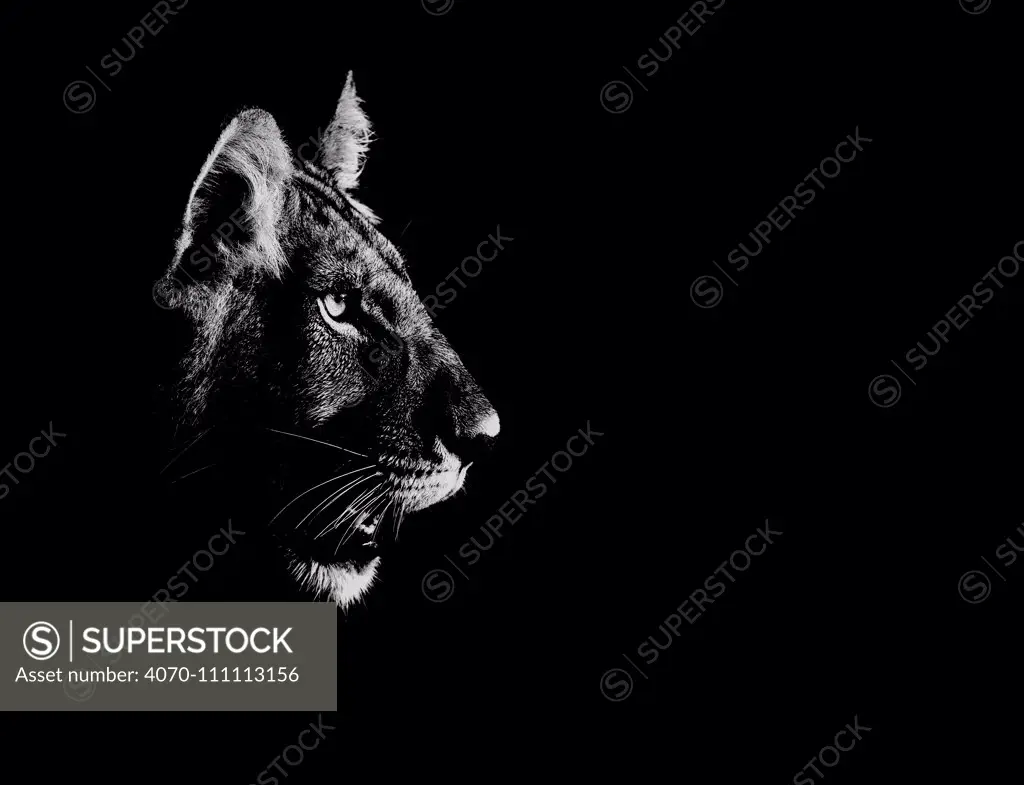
(367,525)
(350,518)
(336,551)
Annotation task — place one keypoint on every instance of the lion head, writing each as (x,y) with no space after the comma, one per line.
(304,321)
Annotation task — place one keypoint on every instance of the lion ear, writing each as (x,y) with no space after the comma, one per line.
(343,145)
(236,202)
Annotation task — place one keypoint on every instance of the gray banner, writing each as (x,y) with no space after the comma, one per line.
(206,656)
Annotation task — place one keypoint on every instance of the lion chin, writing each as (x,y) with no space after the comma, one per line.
(343,583)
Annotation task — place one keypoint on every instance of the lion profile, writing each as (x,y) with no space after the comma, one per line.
(289,290)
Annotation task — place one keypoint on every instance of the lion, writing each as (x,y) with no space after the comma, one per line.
(288,289)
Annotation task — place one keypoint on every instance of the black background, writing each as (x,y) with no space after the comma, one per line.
(714,419)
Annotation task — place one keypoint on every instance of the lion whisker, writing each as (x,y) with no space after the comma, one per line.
(194,472)
(399,517)
(380,519)
(334,497)
(350,508)
(318,441)
(366,509)
(353,511)
(331,502)
(320,485)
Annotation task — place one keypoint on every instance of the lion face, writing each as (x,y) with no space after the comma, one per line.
(306,323)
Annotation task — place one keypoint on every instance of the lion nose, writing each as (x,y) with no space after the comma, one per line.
(489,425)
(455,410)
(473,435)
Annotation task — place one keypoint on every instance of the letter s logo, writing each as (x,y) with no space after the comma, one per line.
(884,391)
(37,640)
(436,588)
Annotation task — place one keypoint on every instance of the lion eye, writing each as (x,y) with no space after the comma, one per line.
(340,310)
(337,309)
(334,305)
